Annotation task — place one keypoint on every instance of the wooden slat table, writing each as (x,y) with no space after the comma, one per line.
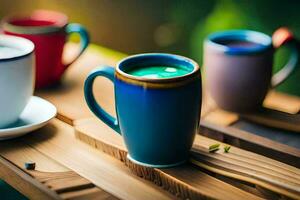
(78,157)
(257,131)
(238,164)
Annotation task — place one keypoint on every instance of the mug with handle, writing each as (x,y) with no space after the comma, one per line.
(157,117)
(48,30)
(238,66)
(16,77)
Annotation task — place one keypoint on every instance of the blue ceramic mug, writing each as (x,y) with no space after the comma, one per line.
(157,117)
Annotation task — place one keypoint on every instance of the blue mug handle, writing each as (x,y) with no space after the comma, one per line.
(281,37)
(107,72)
(84,38)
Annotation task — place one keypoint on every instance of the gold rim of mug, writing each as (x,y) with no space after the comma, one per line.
(162,85)
(159,83)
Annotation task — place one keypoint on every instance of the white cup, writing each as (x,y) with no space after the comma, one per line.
(17,76)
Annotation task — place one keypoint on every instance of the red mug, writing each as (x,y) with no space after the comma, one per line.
(48,30)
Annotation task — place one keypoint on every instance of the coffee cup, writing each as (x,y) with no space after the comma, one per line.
(158,104)
(16,77)
(238,66)
(48,30)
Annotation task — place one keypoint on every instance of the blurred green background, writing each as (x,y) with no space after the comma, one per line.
(173,26)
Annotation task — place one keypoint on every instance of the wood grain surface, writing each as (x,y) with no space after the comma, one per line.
(23,182)
(57,141)
(239,164)
(185,181)
(49,180)
(247,166)
(276,119)
(251,142)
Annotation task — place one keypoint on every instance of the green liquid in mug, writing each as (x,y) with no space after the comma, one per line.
(159,71)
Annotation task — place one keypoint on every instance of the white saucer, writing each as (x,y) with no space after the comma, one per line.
(36,114)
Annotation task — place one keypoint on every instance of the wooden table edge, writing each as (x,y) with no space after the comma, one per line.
(19,179)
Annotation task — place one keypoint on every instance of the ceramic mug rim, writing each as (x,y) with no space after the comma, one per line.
(24,44)
(243,35)
(59,22)
(144,80)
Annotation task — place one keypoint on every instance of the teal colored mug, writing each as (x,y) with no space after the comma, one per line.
(157,117)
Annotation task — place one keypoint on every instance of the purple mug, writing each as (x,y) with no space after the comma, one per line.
(238,66)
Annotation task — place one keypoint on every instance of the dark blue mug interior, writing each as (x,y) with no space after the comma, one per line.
(240,41)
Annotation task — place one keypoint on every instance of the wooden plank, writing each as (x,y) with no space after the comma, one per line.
(23,182)
(185,180)
(18,153)
(247,166)
(238,164)
(276,119)
(88,194)
(57,141)
(282,102)
(68,96)
(215,125)
(205,142)
(62,181)
(50,173)
(261,192)
(252,142)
